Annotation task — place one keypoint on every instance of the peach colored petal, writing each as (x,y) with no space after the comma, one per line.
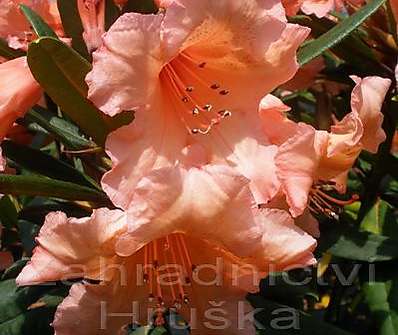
(105,309)
(186,91)
(292,6)
(367,99)
(276,125)
(212,204)
(73,248)
(298,162)
(19,91)
(92,14)
(127,65)
(148,143)
(15,28)
(318,7)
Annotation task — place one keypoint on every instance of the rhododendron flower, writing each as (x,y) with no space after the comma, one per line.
(194,74)
(92,14)
(183,251)
(16,29)
(307,156)
(318,7)
(19,92)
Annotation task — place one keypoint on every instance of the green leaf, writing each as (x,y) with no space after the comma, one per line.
(46,187)
(73,25)
(357,245)
(40,27)
(300,322)
(8,212)
(61,129)
(61,72)
(46,165)
(13,271)
(28,310)
(381,219)
(335,35)
(27,233)
(9,53)
(382,299)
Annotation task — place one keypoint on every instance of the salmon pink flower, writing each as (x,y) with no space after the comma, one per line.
(92,14)
(19,92)
(194,74)
(320,8)
(16,29)
(182,250)
(307,158)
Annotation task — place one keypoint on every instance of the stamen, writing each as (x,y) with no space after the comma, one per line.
(189,89)
(207,107)
(224,113)
(322,203)
(215,86)
(224,92)
(202,65)
(195,111)
(185,99)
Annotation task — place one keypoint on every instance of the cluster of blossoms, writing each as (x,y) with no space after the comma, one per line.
(210,169)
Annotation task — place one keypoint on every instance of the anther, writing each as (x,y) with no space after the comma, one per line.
(215,86)
(207,107)
(195,111)
(186,300)
(189,89)
(195,131)
(202,65)
(224,113)
(224,92)
(184,99)
(146,277)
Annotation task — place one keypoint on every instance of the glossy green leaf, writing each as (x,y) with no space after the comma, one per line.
(46,165)
(73,25)
(292,321)
(46,187)
(61,129)
(8,212)
(357,245)
(315,48)
(382,299)
(9,53)
(381,219)
(28,310)
(13,271)
(40,27)
(61,72)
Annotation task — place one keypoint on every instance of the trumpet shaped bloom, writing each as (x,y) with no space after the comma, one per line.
(16,29)
(194,74)
(19,92)
(307,156)
(188,251)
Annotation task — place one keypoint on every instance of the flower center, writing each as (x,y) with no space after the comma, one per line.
(168,271)
(195,96)
(322,203)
